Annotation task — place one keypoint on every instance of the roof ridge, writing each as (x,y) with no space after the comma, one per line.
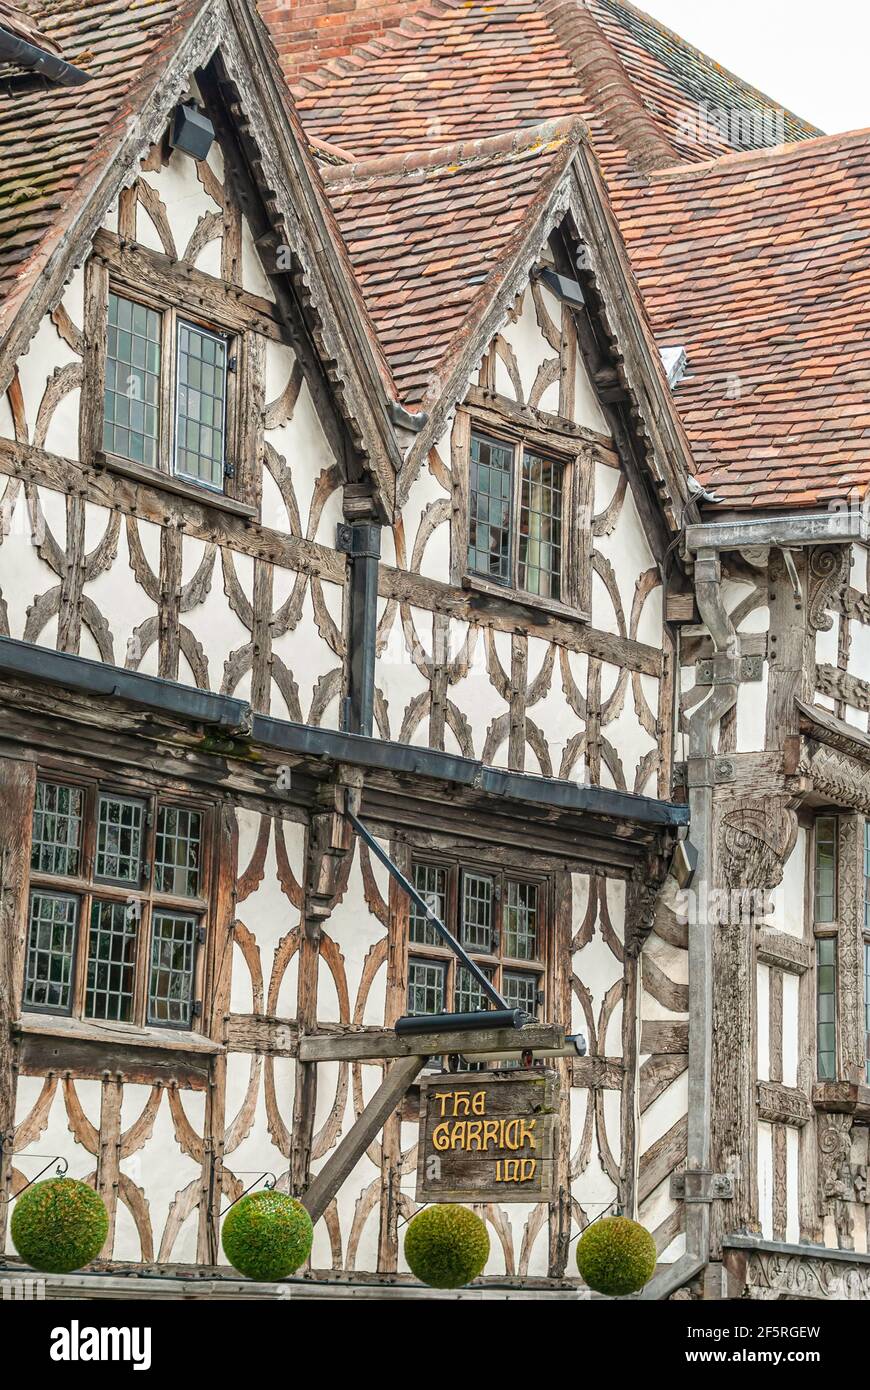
(524,140)
(746,159)
(711,62)
(613,92)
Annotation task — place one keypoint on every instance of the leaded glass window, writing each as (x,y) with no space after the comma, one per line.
(427,984)
(120,942)
(51,950)
(521,921)
(120,826)
(468,997)
(430,881)
(173,950)
(540,557)
(477,906)
(200,405)
(499,920)
(178,851)
(131,418)
(826,869)
(517,517)
(491,508)
(111,961)
(57,829)
(521,991)
(826,1007)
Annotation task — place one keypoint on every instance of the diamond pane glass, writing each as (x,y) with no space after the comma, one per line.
(521,921)
(173,949)
(826,869)
(540,539)
(57,829)
(131,416)
(200,405)
(430,881)
(490,506)
(50,950)
(177,851)
(427,980)
(521,991)
(477,905)
(826,996)
(111,961)
(120,829)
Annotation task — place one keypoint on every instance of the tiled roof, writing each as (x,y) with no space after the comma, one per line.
(428,235)
(759,266)
(16,21)
(462,69)
(52,137)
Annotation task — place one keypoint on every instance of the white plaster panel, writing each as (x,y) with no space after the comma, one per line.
(765,1179)
(161,1170)
(752,713)
(762,1005)
(23,575)
(792,1224)
(790,1017)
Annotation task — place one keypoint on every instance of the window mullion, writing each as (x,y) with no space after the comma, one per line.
(516,513)
(168,392)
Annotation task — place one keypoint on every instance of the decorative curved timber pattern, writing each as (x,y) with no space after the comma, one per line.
(530,690)
(155,582)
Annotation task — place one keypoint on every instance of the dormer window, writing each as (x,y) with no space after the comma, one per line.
(527,538)
(166,392)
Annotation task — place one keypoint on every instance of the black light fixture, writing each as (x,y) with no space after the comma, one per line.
(191,132)
(565,289)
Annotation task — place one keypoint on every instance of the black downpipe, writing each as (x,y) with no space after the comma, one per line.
(361,541)
(27,55)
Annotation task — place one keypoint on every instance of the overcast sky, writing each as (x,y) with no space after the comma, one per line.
(810,57)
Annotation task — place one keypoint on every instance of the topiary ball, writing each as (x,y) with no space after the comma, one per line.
(616,1256)
(59,1225)
(267,1236)
(446,1246)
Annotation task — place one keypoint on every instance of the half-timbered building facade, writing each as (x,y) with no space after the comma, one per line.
(366,466)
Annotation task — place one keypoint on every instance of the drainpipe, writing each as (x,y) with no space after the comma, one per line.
(701,780)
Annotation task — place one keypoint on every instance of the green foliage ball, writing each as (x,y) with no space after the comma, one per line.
(267,1235)
(59,1225)
(616,1256)
(446,1246)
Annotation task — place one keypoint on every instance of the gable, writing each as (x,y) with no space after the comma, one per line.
(222,41)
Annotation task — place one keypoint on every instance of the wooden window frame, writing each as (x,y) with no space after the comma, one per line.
(172,314)
(826,929)
(577,466)
(150,279)
(87,889)
(456,867)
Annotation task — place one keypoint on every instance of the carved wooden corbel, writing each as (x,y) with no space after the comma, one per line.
(829,575)
(837,1186)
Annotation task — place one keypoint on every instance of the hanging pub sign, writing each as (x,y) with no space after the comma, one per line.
(487,1137)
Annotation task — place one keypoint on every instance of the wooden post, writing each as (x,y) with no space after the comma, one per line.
(17,783)
(359,1136)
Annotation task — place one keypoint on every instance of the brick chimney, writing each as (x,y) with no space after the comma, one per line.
(308,33)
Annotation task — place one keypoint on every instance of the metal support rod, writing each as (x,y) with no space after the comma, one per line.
(61,1170)
(447,937)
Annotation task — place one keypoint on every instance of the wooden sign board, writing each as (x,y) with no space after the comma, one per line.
(487,1137)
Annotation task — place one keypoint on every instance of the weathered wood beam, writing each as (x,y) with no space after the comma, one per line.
(359,1136)
(377,1046)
